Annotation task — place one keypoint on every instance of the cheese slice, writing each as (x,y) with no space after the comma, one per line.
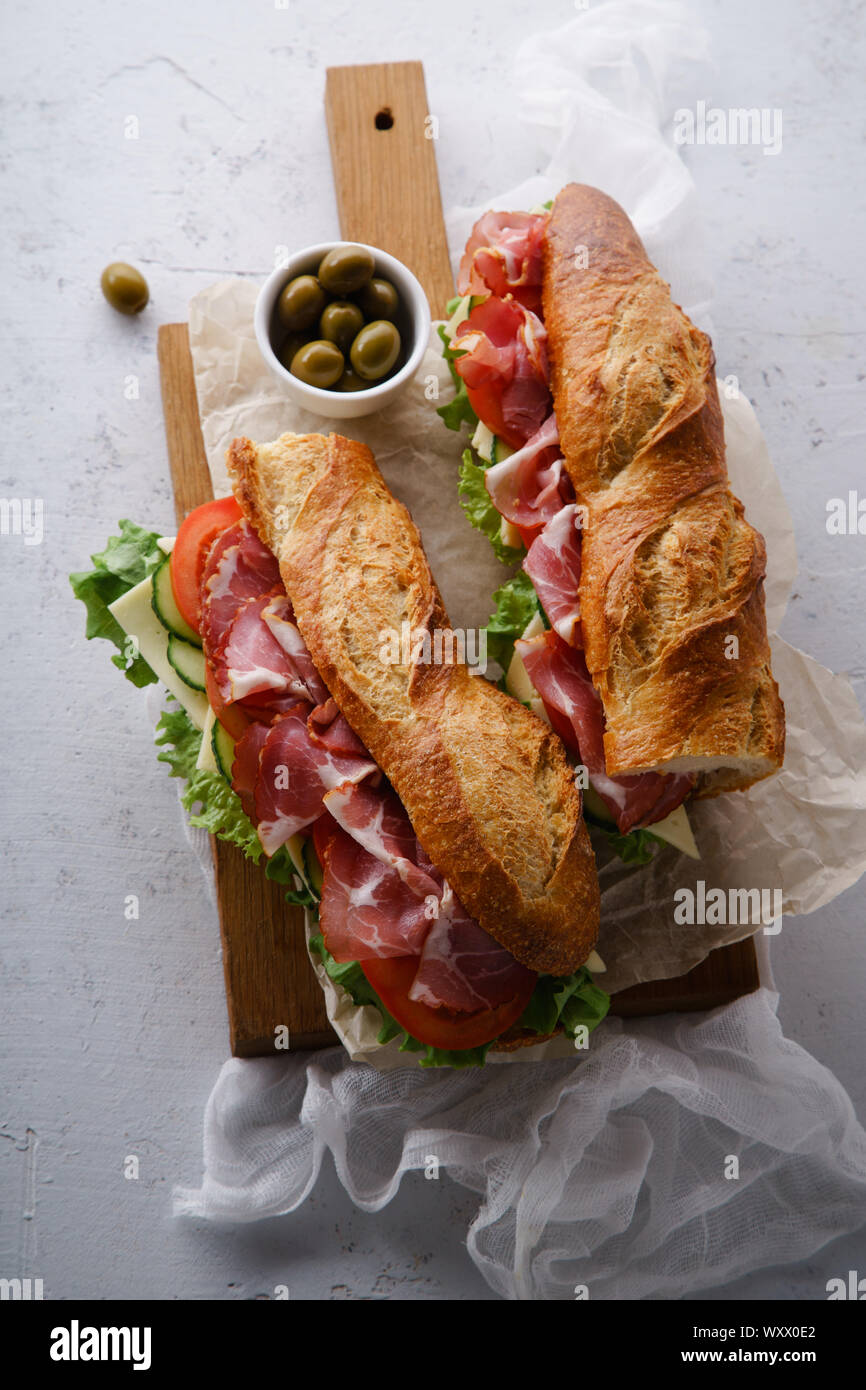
(134,611)
(517,681)
(206,762)
(166,544)
(677,831)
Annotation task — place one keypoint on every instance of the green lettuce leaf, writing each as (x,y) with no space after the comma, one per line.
(125,561)
(569,1000)
(476,503)
(516,605)
(459,409)
(208,797)
(637,847)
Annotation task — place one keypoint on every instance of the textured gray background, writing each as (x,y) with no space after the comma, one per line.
(113,1032)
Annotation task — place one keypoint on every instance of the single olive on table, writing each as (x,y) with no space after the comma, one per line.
(336,329)
(124,287)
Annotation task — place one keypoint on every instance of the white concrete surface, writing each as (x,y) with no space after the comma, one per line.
(113,1031)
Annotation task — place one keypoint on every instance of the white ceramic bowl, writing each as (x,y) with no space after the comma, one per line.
(346,405)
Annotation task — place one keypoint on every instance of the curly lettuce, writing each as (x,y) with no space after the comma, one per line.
(517,604)
(457,411)
(126,560)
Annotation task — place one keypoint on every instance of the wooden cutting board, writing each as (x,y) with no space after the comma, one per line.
(383,154)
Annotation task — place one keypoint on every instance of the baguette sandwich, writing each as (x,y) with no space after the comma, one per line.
(429,822)
(598,461)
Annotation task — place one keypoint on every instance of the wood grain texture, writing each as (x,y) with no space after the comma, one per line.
(723,976)
(268,977)
(385,168)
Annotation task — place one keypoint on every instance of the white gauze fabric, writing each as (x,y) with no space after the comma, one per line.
(678,1153)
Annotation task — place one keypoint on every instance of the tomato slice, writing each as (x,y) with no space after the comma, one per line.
(233,719)
(392,979)
(486,401)
(197,534)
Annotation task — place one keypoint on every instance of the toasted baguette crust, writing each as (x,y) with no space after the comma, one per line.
(484,781)
(672,571)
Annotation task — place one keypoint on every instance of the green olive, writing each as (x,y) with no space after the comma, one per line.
(375,350)
(301,303)
(350,381)
(346,269)
(318,363)
(341,322)
(292,343)
(379,300)
(124,287)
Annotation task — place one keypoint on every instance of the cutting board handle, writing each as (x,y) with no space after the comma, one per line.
(383,152)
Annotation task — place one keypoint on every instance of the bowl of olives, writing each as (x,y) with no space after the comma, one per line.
(344,326)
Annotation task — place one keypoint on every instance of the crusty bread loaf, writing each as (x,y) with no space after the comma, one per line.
(672,571)
(485,782)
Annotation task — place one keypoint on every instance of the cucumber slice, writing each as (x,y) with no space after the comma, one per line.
(312,867)
(499,450)
(187,660)
(165,607)
(223,750)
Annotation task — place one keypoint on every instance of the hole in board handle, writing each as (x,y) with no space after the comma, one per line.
(384,119)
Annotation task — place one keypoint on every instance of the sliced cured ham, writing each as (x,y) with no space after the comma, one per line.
(245,768)
(280,621)
(295,772)
(367,911)
(528,487)
(251,660)
(238,568)
(553,565)
(559,674)
(330,729)
(463,968)
(503,256)
(377,820)
(505,368)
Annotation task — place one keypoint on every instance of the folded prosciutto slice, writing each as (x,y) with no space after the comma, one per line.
(381,897)
(505,368)
(560,676)
(503,256)
(527,487)
(462,966)
(367,910)
(295,771)
(553,565)
(238,568)
(375,818)
(250,659)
